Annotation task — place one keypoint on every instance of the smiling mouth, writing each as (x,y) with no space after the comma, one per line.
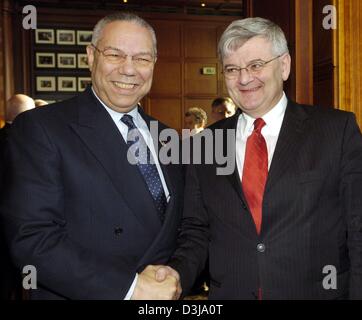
(250,90)
(123,85)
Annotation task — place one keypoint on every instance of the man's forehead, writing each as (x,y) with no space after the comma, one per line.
(257,45)
(125,29)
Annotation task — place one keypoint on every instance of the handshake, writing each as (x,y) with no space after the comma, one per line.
(157,283)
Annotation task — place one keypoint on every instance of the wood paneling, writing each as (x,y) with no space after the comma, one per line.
(197,83)
(304,51)
(200,41)
(168,38)
(348,54)
(167,78)
(168,111)
(178,80)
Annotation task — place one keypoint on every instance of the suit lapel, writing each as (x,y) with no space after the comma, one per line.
(289,140)
(101,136)
(246,224)
(234,178)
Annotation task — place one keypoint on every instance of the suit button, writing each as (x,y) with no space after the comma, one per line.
(118,231)
(260,247)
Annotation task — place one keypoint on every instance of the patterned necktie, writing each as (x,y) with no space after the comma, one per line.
(255,172)
(146,167)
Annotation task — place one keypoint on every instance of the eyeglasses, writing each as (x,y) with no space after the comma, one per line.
(116,56)
(232,72)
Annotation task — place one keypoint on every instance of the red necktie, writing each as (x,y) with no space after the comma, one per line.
(255,172)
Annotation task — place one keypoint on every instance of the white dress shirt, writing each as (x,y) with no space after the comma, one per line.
(143,128)
(245,126)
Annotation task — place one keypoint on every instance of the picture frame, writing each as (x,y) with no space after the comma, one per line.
(66,60)
(83,82)
(66,37)
(67,84)
(45,36)
(82,61)
(45,60)
(45,84)
(84,37)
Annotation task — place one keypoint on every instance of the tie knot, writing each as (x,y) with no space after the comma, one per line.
(128,121)
(259,124)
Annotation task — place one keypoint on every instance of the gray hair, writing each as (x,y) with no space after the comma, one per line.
(239,31)
(123,16)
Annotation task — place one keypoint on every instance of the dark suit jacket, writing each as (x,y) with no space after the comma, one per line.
(312,215)
(4,132)
(7,272)
(76,209)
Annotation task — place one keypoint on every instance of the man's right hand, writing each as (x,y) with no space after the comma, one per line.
(163,272)
(148,288)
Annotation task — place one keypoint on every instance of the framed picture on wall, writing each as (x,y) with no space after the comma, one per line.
(66,60)
(66,37)
(44,36)
(45,60)
(82,60)
(67,84)
(84,37)
(45,84)
(83,82)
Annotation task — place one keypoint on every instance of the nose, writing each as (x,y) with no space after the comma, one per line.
(245,76)
(127,67)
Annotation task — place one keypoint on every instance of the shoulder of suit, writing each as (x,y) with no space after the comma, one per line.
(327,113)
(227,123)
(65,110)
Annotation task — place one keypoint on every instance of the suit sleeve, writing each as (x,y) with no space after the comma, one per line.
(351,191)
(191,254)
(36,225)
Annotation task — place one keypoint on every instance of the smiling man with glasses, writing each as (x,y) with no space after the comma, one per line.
(287,224)
(94,221)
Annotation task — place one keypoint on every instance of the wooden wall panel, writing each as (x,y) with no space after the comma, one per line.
(200,41)
(167,78)
(168,38)
(197,83)
(167,110)
(349,56)
(304,51)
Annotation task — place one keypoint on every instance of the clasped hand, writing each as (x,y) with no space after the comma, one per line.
(157,282)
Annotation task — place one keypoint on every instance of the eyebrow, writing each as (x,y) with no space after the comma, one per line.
(250,62)
(137,54)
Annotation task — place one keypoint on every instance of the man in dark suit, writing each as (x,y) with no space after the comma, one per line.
(76,208)
(9,277)
(287,224)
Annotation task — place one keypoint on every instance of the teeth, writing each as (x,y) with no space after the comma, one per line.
(124,85)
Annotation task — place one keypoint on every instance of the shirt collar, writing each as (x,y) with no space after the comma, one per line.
(273,118)
(116,116)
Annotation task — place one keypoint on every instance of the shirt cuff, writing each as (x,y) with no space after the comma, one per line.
(131,289)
